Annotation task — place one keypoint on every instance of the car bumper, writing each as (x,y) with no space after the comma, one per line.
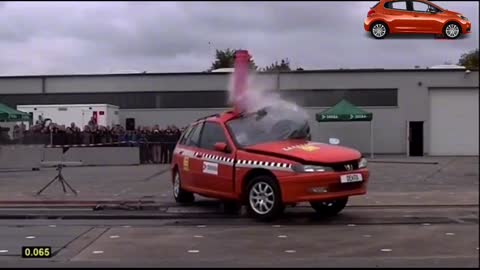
(321,186)
(466,27)
(366,25)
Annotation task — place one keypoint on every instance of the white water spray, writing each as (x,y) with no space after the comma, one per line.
(260,94)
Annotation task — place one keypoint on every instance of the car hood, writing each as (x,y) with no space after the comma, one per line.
(307,151)
(452,13)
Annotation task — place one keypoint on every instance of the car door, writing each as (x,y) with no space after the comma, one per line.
(423,18)
(188,161)
(217,173)
(400,19)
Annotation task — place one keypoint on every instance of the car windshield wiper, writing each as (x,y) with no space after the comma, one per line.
(261,114)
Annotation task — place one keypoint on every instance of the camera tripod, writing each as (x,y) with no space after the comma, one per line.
(60,178)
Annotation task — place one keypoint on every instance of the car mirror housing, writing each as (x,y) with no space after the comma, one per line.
(221,146)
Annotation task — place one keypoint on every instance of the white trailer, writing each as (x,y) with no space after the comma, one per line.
(80,114)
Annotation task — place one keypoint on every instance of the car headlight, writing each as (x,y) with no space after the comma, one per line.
(462,17)
(311,168)
(362,163)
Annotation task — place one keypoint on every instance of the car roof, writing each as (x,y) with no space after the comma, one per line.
(218,117)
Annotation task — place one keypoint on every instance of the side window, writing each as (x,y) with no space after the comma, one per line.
(212,133)
(398,5)
(420,7)
(194,136)
(185,134)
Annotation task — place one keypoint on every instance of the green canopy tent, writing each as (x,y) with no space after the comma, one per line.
(8,114)
(345,111)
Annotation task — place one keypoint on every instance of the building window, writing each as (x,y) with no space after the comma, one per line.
(327,98)
(205,99)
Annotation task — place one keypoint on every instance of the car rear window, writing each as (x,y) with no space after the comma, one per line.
(399,5)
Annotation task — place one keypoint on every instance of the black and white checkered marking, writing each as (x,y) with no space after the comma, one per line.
(239,163)
(264,164)
(212,158)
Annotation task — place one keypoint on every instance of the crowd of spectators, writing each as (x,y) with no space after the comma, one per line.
(156,144)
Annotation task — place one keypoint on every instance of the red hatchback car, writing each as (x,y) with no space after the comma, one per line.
(414,17)
(265,164)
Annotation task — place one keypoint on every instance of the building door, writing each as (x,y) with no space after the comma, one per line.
(454,123)
(415,138)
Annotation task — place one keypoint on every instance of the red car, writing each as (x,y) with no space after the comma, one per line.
(265,164)
(414,17)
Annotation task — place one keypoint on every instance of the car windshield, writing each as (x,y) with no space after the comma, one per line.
(269,124)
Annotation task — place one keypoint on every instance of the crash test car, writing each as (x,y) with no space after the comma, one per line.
(265,164)
(414,17)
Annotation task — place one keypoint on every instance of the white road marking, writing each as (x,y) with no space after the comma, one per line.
(449,233)
(201,226)
(198,236)
(367,235)
(193,251)
(97,252)
(6,250)
(30,237)
(351,225)
(276,226)
(52,226)
(282,236)
(385,250)
(126,226)
(426,224)
(290,251)
(114,236)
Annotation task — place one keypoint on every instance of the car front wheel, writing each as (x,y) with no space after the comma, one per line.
(379,30)
(452,30)
(329,208)
(264,198)
(180,195)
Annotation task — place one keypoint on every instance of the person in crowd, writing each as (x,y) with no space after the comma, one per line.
(156,144)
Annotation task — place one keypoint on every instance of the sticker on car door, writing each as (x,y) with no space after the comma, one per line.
(210,168)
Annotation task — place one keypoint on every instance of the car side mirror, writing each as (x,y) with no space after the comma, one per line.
(221,147)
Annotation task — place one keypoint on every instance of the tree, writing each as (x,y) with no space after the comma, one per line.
(226,59)
(284,65)
(469,60)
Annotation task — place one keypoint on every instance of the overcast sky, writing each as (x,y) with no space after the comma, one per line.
(105,37)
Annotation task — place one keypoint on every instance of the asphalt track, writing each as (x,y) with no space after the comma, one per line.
(413,216)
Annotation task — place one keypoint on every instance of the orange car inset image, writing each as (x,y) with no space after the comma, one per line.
(414,17)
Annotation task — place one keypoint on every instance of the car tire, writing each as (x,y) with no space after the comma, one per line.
(181,195)
(452,30)
(379,30)
(264,201)
(329,208)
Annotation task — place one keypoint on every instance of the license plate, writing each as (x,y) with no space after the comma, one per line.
(349,178)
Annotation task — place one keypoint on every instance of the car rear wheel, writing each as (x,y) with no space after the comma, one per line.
(329,208)
(379,30)
(180,195)
(452,30)
(264,198)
